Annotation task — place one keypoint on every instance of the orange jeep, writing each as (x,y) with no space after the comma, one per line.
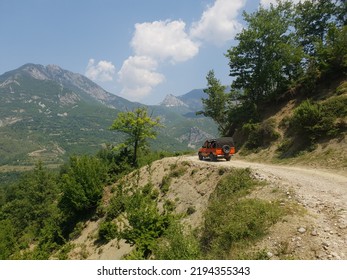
(217,148)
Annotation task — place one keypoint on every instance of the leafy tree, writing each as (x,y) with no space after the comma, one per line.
(332,56)
(217,104)
(145,223)
(29,209)
(7,239)
(29,202)
(312,20)
(139,127)
(267,59)
(82,184)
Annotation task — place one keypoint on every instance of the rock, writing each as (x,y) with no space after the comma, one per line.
(314,233)
(269,254)
(320,255)
(342,226)
(301,230)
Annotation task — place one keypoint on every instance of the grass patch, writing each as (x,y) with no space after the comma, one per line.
(233,221)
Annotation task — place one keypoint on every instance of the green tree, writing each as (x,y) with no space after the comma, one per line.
(30,206)
(7,239)
(217,104)
(312,20)
(29,202)
(320,31)
(139,127)
(82,183)
(145,224)
(267,59)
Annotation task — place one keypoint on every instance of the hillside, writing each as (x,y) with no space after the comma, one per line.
(312,223)
(49,113)
(280,141)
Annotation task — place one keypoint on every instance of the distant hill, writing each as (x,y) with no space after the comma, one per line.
(49,113)
(191,101)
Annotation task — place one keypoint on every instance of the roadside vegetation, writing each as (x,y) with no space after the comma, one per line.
(288,52)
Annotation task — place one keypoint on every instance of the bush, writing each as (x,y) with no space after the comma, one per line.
(115,208)
(312,122)
(145,223)
(82,184)
(178,243)
(107,231)
(260,134)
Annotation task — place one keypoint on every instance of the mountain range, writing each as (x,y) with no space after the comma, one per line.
(49,113)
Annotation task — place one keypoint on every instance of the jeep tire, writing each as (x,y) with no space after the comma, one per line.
(226,149)
(212,157)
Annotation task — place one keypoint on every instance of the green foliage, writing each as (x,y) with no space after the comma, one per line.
(177,243)
(7,239)
(260,134)
(267,58)
(118,162)
(116,206)
(312,122)
(146,223)
(82,184)
(284,49)
(138,126)
(30,215)
(217,103)
(312,20)
(231,219)
(107,231)
(332,56)
(165,184)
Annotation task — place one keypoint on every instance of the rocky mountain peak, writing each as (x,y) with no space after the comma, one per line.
(172,101)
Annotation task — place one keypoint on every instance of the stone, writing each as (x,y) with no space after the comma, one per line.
(301,230)
(342,226)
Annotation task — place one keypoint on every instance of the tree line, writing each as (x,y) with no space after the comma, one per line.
(284,50)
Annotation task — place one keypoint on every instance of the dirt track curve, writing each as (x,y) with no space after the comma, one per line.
(323,193)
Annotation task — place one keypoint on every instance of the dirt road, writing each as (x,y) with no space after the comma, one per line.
(322,193)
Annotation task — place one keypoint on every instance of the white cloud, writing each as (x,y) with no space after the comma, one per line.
(103,71)
(138,76)
(154,42)
(266,3)
(164,40)
(169,41)
(218,23)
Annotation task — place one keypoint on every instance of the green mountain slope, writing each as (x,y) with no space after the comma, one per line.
(49,113)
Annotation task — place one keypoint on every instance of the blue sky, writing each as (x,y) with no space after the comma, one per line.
(141,50)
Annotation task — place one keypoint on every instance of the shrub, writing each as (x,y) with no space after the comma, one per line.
(177,243)
(116,207)
(165,184)
(107,231)
(145,223)
(260,134)
(312,122)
